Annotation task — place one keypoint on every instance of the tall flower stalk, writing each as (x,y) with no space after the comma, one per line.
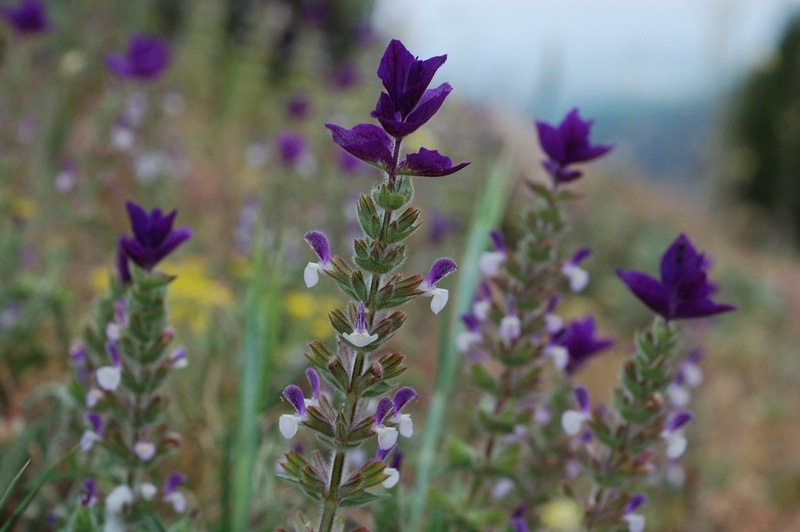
(355,370)
(121,363)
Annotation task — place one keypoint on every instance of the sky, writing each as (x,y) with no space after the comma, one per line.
(530,53)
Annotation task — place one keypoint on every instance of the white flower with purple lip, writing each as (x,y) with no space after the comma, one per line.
(88,496)
(440,269)
(510,325)
(319,243)
(393,469)
(673,433)
(466,339)
(109,377)
(288,423)
(552,321)
(490,261)
(178,358)
(573,420)
(171,493)
(387,436)
(635,521)
(577,277)
(93,435)
(313,381)
(404,424)
(482,303)
(360,337)
(689,376)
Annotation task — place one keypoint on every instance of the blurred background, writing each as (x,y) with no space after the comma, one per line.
(701,98)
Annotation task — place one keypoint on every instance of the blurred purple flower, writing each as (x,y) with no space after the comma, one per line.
(153,236)
(517,520)
(298,107)
(88,496)
(349,164)
(440,226)
(292,147)
(29,16)
(407,103)
(684,291)
(566,144)
(346,76)
(578,338)
(146,58)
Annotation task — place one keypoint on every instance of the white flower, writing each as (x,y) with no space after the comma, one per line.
(394,477)
(360,339)
(676,444)
(109,377)
(145,450)
(311,274)
(679,396)
(147,491)
(490,262)
(572,421)
(288,424)
(387,436)
(440,297)
(503,487)
(88,439)
(113,332)
(93,396)
(405,426)
(578,278)
(559,354)
(466,339)
(480,309)
(635,522)
(553,323)
(510,328)
(116,501)
(177,500)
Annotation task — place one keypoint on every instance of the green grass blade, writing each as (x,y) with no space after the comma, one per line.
(487,216)
(13,483)
(41,481)
(261,322)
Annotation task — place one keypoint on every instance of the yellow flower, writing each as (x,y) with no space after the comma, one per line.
(23,208)
(194,294)
(562,514)
(300,305)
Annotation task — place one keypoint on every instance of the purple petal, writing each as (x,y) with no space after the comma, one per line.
(96,422)
(648,290)
(384,407)
(679,420)
(160,226)
(313,380)
(680,259)
(175,239)
(550,141)
(700,309)
(123,268)
(582,396)
(118,65)
(428,163)
(394,67)
(498,240)
(361,316)
(113,352)
(397,460)
(636,501)
(366,142)
(517,520)
(430,103)
(552,303)
(419,77)
(471,322)
(319,243)
(172,483)
(580,255)
(381,454)
(440,269)
(89,486)
(294,395)
(140,221)
(402,397)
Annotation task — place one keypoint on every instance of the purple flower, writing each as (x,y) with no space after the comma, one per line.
(393,470)
(579,341)
(289,422)
(578,278)
(345,76)
(401,399)
(440,226)
(313,381)
(490,261)
(673,433)
(635,521)
(428,163)
(93,435)
(387,436)
(292,148)
(366,142)
(29,16)
(567,144)
(572,420)
(153,236)
(319,243)
(517,520)
(171,493)
(146,58)
(407,103)
(440,269)
(471,336)
(298,108)
(88,497)
(360,337)
(684,291)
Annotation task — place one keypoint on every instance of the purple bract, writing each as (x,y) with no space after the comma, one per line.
(29,16)
(145,58)
(578,338)
(153,237)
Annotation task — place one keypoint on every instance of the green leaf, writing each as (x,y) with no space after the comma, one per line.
(13,483)
(363,498)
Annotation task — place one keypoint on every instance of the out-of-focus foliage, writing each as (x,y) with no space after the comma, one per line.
(767,126)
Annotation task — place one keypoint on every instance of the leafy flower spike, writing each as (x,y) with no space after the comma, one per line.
(29,16)
(153,236)
(360,336)
(440,269)
(145,58)
(288,422)
(319,243)
(567,144)
(684,291)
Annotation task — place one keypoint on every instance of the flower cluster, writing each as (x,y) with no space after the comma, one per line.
(120,364)
(345,380)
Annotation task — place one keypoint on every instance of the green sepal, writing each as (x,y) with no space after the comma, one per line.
(339,321)
(501,423)
(523,384)
(362,431)
(359,286)
(150,281)
(318,422)
(386,199)
(480,377)
(294,465)
(389,325)
(363,498)
(157,405)
(392,365)
(377,389)
(368,217)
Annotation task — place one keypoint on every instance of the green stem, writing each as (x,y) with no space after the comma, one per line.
(332,497)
